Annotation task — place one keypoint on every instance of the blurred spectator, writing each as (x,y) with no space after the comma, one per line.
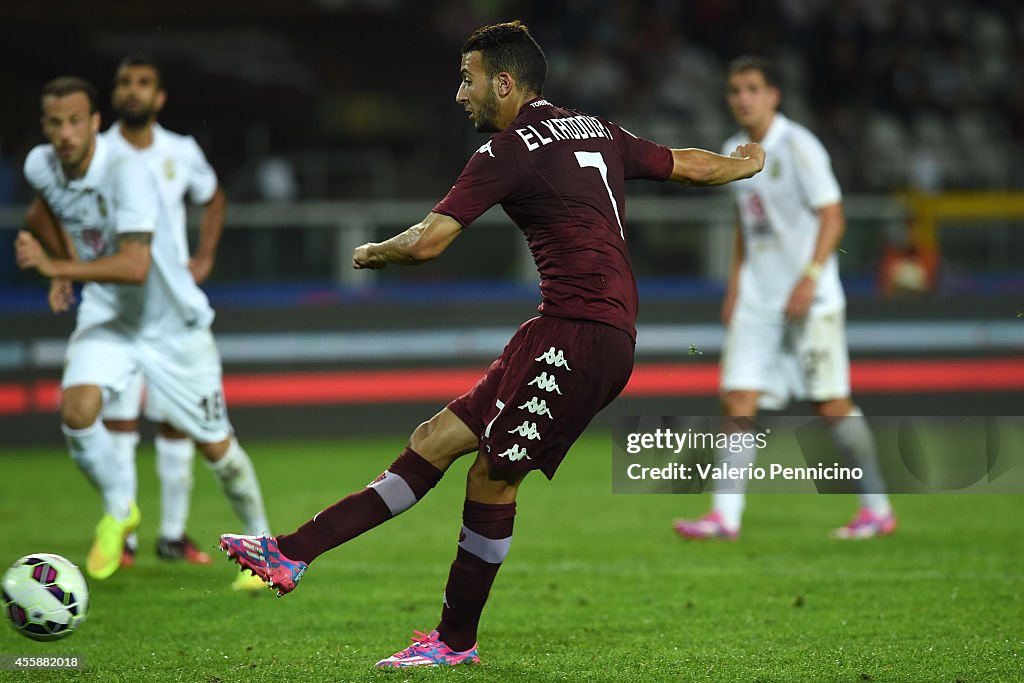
(277,180)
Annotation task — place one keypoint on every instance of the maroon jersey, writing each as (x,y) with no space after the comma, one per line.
(560,176)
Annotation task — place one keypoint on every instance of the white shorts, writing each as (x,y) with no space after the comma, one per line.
(128,403)
(803,360)
(182,374)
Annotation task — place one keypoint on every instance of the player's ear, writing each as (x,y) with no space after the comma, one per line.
(95,122)
(504,83)
(161,99)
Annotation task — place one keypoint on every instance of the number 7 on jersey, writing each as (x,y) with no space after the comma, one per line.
(595,160)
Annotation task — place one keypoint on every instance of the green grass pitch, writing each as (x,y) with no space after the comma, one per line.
(596,587)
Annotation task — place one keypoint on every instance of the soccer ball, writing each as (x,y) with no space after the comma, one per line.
(44,596)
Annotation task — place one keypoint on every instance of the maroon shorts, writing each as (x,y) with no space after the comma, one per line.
(550,381)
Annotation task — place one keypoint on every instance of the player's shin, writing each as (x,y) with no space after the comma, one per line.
(174,466)
(401,486)
(853,438)
(92,449)
(483,545)
(124,444)
(729,497)
(237,478)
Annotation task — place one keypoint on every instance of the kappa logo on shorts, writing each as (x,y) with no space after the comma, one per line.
(527,429)
(515,454)
(554,357)
(545,382)
(537,407)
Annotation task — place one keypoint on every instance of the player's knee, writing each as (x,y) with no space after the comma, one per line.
(836,408)
(127,426)
(80,407)
(169,432)
(76,417)
(485,484)
(442,439)
(740,403)
(421,435)
(214,451)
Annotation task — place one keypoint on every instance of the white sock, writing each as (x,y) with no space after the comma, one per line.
(237,478)
(92,450)
(730,505)
(124,455)
(854,440)
(174,467)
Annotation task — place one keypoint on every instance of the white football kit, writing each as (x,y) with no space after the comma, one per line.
(778,214)
(160,329)
(181,170)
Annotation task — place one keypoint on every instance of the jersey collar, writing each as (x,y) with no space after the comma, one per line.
(775,131)
(115,129)
(535,103)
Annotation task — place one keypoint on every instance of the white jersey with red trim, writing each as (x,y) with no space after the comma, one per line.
(778,212)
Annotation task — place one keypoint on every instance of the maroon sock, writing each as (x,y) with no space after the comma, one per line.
(400,487)
(483,545)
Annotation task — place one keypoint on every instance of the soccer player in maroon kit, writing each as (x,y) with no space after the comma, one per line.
(560,176)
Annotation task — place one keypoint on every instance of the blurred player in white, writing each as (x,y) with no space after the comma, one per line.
(181,171)
(784,308)
(141,313)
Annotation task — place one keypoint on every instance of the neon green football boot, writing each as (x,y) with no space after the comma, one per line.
(250,583)
(105,554)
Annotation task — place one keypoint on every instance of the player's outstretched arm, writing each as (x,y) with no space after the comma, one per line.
(130,265)
(421,243)
(701,167)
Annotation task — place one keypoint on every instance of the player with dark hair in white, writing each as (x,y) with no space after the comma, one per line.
(784,308)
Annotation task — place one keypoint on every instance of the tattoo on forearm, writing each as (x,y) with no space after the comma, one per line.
(395,249)
(408,238)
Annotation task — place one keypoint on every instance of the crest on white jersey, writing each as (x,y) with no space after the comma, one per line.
(169,169)
(94,239)
(486,148)
(514,454)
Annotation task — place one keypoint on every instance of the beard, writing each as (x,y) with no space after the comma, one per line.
(71,165)
(134,119)
(486,116)
(76,158)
